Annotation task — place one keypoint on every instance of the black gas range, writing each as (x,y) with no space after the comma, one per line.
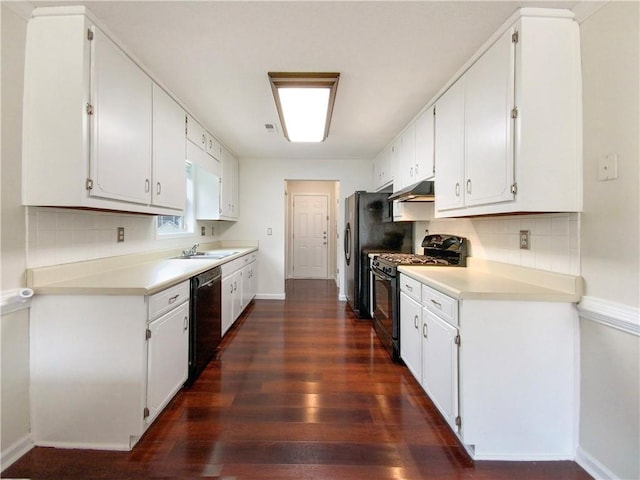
(439,250)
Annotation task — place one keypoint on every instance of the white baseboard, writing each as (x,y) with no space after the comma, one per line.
(593,467)
(9,455)
(270,296)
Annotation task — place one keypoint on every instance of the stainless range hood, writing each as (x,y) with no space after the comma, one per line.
(418,192)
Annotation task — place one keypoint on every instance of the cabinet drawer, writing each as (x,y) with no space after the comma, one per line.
(410,287)
(163,301)
(440,304)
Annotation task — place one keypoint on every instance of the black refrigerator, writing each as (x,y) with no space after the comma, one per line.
(369,228)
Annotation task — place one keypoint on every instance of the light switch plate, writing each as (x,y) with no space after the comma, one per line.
(608,167)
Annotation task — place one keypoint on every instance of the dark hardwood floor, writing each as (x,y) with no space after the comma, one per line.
(301,390)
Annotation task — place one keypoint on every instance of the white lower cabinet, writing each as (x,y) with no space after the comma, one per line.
(501,372)
(231,300)
(238,288)
(440,365)
(167,358)
(104,366)
(411,335)
(428,347)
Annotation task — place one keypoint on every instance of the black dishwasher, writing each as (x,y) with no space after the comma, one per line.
(205,323)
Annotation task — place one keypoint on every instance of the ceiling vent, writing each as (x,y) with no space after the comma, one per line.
(270,128)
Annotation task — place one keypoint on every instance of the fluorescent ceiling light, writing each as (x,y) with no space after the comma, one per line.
(305,103)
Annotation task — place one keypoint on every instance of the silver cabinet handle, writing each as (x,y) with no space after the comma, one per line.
(457,189)
(204,140)
(437,304)
(416,169)
(186,323)
(147,185)
(425,331)
(158,188)
(415,322)
(173,299)
(409,287)
(469,186)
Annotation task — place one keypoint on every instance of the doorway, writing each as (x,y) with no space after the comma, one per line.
(311,221)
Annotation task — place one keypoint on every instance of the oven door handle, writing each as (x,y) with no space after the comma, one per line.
(381,276)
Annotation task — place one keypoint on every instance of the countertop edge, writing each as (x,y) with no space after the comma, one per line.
(73,286)
(421,274)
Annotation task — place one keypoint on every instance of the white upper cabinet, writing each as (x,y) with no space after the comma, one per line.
(229,187)
(214,148)
(521,123)
(425,145)
(196,133)
(488,101)
(382,169)
(474,132)
(449,150)
(121,98)
(169,187)
(416,151)
(506,135)
(408,156)
(88,120)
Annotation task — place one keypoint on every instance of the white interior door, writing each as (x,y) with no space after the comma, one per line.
(310,236)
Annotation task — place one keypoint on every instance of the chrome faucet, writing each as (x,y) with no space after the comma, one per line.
(191,251)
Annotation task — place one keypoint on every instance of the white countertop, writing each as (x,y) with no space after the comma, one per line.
(494,281)
(130,275)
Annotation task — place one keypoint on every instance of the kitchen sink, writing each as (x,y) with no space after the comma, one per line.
(213,255)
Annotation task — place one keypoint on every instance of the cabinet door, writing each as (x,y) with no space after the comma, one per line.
(408,156)
(227,303)
(450,148)
(425,145)
(440,365)
(237,295)
(196,133)
(229,186)
(247,284)
(167,358)
(489,99)
(213,147)
(169,151)
(120,164)
(410,335)
(395,164)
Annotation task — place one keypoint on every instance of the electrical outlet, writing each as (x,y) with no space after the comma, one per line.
(608,167)
(120,234)
(203,231)
(269,231)
(213,230)
(525,237)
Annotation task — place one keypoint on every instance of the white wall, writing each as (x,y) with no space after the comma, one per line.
(554,241)
(14,332)
(610,393)
(60,235)
(262,206)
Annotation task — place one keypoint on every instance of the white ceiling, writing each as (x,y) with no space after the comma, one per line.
(393,57)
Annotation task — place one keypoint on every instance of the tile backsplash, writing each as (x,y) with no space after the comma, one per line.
(59,235)
(554,242)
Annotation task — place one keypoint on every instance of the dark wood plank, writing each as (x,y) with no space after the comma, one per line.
(301,389)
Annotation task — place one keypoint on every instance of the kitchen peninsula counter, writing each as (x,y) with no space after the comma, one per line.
(485,280)
(137,274)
